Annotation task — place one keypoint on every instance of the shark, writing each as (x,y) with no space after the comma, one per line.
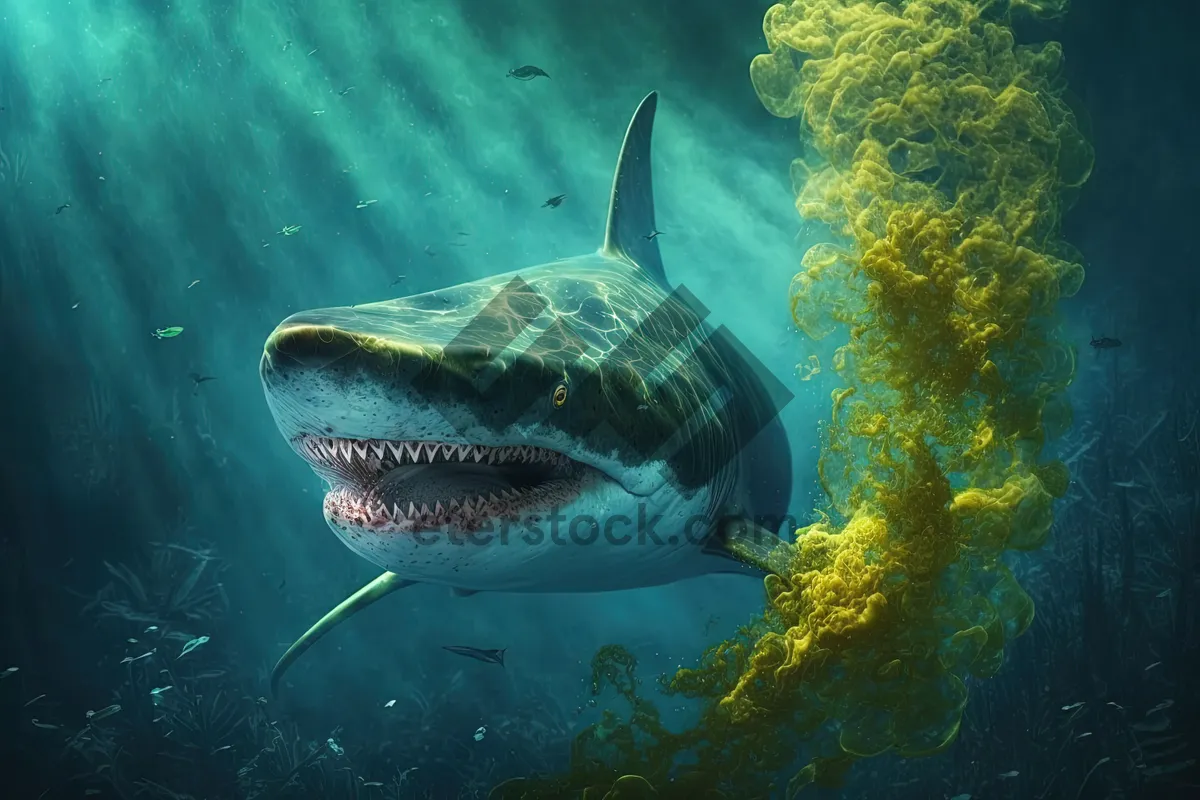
(575,426)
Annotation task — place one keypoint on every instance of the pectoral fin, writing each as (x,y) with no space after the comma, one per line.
(744,541)
(381,587)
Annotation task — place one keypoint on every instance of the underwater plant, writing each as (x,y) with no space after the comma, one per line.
(178,585)
(89,439)
(942,154)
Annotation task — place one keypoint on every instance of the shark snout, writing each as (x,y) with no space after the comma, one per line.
(301,346)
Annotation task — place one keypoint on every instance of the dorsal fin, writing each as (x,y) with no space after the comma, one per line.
(631,233)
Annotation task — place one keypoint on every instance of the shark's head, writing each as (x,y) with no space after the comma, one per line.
(481,435)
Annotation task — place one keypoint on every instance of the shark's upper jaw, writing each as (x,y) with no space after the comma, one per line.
(410,486)
(399,430)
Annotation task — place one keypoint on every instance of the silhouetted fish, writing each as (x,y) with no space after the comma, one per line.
(1105,343)
(527,73)
(489,656)
(554,202)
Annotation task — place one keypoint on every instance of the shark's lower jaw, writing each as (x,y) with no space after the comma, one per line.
(390,486)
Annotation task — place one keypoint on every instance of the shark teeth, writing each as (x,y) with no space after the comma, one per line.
(329,451)
(365,511)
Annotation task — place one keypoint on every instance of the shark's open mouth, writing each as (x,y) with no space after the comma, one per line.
(388,485)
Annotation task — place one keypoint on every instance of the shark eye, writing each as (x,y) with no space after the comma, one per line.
(559,398)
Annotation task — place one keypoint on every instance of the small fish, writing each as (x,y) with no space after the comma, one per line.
(1127,484)
(287,45)
(1083,735)
(1163,593)
(429,251)
(103,81)
(1073,706)
(107,711)
(8,672)
(1152,666)
(345,91)
(527,73)
(131,659)
(399,278)
(288,230)
(479,733)
(168,333)
(219,749)
(1105,343)
(1163,706)
(160,690)
(963,796)
(310,52)
(131,640)
(193,283)
(389,704)
(151,629)
(463,233)
(365,203)
(34,700)
(652,235)
(282,584)
(61,208)
(319,112)
(489,656)
(372,783)
(334,747)
(192,645)
(554,202)
(75,306)
(44,725)
(1012,773)
(198,379)
(1115,705)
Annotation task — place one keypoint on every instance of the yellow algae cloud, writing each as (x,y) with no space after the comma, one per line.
(942,155)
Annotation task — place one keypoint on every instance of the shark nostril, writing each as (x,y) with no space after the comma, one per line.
(312,346)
